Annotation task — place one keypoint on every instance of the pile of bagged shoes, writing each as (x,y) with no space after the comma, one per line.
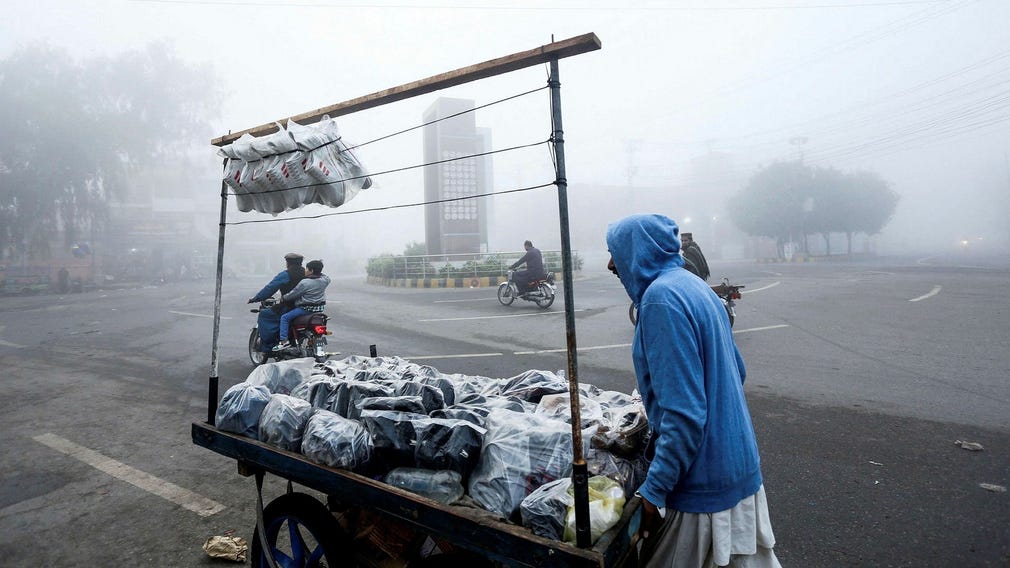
(454,438)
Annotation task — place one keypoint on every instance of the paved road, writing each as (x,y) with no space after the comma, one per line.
(861,377)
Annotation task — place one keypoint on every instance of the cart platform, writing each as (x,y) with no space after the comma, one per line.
(464,527)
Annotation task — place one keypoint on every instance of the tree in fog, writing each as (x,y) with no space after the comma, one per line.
(772,204)
(73,131)
(787,200)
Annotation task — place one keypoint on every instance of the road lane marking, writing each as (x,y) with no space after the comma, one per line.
(579,349)
(169,491)
(460,356)
(196,315)
(780,326)
(936,290)
(9,344)
(772,285)
(499,317)
(469,300)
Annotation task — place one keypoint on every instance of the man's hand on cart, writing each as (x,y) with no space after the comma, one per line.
(652,518)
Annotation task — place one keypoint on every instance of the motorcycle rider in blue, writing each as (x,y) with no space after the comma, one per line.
(705,469)
(269,321)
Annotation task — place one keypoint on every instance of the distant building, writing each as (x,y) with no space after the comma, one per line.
(455,227)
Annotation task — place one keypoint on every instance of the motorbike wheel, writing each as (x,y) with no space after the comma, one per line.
(633,313)
(731,315)
(546,296)
(505,295)
(255,355)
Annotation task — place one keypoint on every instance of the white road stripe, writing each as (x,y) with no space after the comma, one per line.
(930,294)
(499,317)
(469,300)
(196,315)
(9,344)
(460,356)
(772,285)
(183,497)
(580,349)
(760,328)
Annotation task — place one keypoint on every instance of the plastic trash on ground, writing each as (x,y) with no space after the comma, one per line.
(335,441)
(283,422)
(443,486)
(240,409)
(226,548)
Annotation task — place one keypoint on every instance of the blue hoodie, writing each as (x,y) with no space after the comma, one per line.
(690,374)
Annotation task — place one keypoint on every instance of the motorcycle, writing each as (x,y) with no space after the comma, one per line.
(307,335)
(728,293)
(541,291)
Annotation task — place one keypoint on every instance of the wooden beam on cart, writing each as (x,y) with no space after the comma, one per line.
(543,54)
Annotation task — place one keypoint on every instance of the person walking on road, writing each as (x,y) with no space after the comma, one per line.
(703,498)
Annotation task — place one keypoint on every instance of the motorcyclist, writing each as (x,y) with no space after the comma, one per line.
(534,261)
(269,320)
(694,259)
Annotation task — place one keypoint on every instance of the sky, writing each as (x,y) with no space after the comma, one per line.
(918,91)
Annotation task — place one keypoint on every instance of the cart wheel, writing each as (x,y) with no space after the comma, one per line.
(312,537)
(255,355)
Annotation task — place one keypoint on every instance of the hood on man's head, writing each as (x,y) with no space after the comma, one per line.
(643,247)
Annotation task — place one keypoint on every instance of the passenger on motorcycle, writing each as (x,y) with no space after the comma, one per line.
(309,296)
(268,321)
(534,267)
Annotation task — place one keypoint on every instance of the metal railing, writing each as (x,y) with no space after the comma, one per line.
(454,265)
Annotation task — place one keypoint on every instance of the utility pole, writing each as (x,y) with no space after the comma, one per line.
(799,141)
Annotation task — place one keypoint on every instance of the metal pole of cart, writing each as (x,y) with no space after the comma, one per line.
(580,471)
(213,381)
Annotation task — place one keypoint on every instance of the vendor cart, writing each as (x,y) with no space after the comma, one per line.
(407,526)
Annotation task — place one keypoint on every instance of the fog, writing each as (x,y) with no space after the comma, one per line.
(684,102)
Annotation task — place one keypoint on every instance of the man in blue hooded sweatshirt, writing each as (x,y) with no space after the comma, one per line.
(705,470)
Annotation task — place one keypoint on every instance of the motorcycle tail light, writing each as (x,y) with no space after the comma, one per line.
(736,295)
(320,330)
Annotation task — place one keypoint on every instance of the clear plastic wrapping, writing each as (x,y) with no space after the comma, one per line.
(410,404)
(335,441)
(624,430)
(532,385)
(240,409)
(392,436)
(447,445)
(521,452)
(606,503)
(545,509)
(283,422)
(282,377)
(442,486)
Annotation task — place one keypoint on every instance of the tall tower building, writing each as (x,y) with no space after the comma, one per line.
(455,227)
